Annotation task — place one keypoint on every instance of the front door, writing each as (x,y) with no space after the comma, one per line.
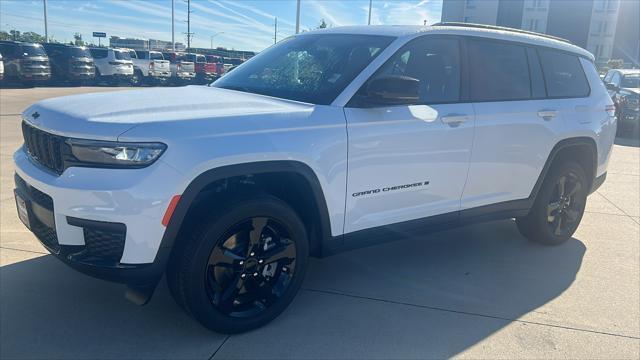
(409,162)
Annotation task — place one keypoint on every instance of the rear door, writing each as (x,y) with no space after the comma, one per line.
(516,125)
(410,161)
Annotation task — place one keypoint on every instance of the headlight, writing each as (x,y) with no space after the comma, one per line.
(115,154)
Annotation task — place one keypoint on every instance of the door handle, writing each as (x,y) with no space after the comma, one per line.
(454,119)
(547,114)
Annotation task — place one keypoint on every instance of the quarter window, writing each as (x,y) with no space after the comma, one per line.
(498,71)
(563,74)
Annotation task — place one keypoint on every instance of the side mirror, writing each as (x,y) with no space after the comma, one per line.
(394,90)
(612,87)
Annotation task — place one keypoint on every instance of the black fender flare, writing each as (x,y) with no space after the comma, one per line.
(261,167)
(562,145)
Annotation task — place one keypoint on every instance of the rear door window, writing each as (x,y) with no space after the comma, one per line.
(563,74)
(498,71)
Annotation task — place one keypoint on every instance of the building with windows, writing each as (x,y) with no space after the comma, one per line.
(590,24)
(143,44)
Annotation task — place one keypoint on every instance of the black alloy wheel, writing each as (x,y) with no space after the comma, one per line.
(564,207)
(251,268)
(241,264)
(559,205)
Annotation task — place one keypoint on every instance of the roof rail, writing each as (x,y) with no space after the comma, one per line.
(503,28)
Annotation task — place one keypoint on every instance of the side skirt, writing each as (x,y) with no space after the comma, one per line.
(406,229)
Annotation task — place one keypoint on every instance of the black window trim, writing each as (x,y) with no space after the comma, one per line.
(465,97)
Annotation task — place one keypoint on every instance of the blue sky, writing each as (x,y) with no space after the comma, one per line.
(246,24)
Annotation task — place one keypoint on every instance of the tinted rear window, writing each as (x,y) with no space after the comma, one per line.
(99,53)
(563,74)
(498,71)
(631,81)
(155,56)
(121,55)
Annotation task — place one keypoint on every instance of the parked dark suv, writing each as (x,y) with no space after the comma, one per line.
(624,88)
(70,63)
(24,62)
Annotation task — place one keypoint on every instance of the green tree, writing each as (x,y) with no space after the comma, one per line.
(615,64)
(31,36)
(323,24)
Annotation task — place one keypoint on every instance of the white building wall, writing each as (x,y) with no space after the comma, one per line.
(534,15)
(602,29)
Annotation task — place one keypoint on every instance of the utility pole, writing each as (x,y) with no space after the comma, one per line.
(370,5)
(46,28)
(173,28)
(275,31)
(298,18)
(188,25)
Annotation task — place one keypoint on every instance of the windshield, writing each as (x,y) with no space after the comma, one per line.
(79,52)
(121,55)
(155,56)
(32,50)
(309,68)
(631,81)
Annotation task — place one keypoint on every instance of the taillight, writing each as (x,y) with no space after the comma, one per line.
(610,109)
(179,66)
(152,65)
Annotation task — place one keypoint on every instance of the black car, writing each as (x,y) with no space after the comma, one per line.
(24,62)
(70,63)
(624,88)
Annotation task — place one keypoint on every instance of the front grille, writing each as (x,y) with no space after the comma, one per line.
(46,149)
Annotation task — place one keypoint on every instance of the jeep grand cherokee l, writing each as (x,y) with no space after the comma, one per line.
(326,141)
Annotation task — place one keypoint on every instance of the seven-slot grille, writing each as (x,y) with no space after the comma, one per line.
(45,148)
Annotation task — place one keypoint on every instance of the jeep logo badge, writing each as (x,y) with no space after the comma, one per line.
(35,115)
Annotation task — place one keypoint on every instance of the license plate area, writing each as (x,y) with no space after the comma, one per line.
(23,209)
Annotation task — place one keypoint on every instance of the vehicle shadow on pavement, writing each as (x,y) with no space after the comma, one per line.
(432,296)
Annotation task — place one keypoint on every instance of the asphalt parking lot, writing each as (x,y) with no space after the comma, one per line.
(481,291)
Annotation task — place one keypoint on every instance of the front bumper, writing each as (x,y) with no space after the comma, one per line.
(102,222)
(186,75)
(160,74)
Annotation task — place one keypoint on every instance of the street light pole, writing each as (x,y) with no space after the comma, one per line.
(214,35)
(370,5)
(275,31)
(298,18)
(173,28)
(46,28)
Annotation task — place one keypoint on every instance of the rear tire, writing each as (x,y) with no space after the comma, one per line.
(241,266)
(559,206)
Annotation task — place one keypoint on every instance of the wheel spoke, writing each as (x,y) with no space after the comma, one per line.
(226,299)
(287,250)
(577,187)
(558,229)
(550,209)
(561,185)
(258,225)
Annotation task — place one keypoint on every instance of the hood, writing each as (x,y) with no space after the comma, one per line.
(633,90)
(106,115)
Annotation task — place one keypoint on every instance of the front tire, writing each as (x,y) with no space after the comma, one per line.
(242,266)
(559,206)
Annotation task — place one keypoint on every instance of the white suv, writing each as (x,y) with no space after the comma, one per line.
(328,141)
(112,65)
